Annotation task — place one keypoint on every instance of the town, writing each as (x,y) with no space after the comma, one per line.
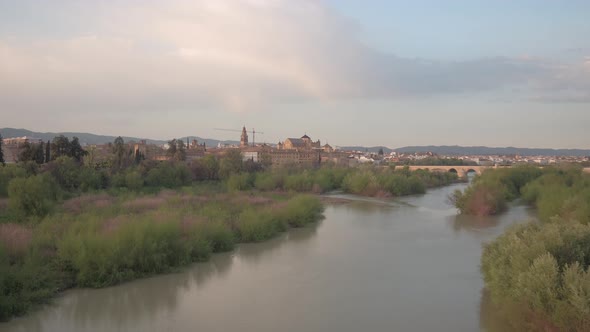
(302,151)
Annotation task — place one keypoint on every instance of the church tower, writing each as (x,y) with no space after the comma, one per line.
(244,138)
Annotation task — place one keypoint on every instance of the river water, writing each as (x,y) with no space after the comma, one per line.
(410,264)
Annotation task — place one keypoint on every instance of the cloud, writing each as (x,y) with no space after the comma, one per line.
(240,55)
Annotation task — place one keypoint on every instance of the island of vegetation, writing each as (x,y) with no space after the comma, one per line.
(537,274)
(66,222)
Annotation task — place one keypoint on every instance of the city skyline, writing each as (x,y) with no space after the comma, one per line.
(500,74)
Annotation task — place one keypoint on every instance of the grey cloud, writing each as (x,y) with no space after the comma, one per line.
(245,55)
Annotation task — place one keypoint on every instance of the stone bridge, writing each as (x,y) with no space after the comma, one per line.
(463,170)
(460,170)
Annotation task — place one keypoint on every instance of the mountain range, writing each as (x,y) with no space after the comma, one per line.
(88,138)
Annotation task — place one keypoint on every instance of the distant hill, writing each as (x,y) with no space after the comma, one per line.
(87,138)
(373,149)
(483,150)
(472,150)
(210,142)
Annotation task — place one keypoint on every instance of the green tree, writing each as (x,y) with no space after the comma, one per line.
(118,152)
(60,146)
(39,153)
(26,152)
(32,152)
(48,152)
(180,154)
(75,150)
(2,151)
(67,173)
(206,168)
(171,148)
(231,163)
(380,151)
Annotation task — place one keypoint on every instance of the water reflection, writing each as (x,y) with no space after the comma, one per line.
(254,253)
(146,300)
(471,223)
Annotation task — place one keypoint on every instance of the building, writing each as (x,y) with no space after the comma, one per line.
(303,143)
(11,147)
(244,138)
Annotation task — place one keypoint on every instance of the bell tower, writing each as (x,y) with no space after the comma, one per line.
(244,138)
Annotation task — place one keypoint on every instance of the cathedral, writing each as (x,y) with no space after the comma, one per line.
(303,143)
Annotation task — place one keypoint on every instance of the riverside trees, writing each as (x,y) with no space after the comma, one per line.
(538,274)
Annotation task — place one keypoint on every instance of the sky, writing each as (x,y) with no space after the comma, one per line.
(347,72)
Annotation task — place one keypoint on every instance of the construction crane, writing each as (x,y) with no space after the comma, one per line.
(254,132)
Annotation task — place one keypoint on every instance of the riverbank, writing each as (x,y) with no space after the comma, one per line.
(538,273)
(101,240)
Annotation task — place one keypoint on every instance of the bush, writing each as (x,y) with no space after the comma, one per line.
(253,226)
(24,284)
(135,249)
(240,181)
(268,181)
(67,173)
(544,269)
(33,196)
(480,200)
(7,173)
(169,175)
(133,180)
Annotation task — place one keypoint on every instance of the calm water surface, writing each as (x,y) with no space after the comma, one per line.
(405,265)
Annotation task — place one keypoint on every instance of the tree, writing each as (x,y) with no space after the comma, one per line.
(380,151)
(39,153)
(210,167)
(119,151)
(48,152)
(231,163)
(138,157)
(180,154)
(171,152)
(2,151)
(26,153)
(75,150)
(60,146)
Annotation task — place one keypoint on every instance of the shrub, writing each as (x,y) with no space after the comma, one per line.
(240,181)
(133,180)
(545,270)
(253,226)
(7,173)
(33,196)
(169,175)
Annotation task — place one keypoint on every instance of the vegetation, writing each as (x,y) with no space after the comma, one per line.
(489,192)
(368,181)
(1,151)
(538,274)
(99,240)
(67,221)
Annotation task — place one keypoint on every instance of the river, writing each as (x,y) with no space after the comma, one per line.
(409,264)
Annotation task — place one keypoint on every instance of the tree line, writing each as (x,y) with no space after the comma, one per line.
(537,273)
